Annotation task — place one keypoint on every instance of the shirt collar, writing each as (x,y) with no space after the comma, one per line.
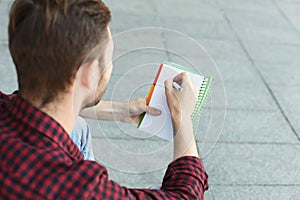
(43,123)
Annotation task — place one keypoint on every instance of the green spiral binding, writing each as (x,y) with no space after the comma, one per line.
(203,94)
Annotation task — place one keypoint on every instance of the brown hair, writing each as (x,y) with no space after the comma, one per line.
(49,40)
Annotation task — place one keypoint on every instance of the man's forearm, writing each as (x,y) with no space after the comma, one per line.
(184,139)
(104,110)
(126,112)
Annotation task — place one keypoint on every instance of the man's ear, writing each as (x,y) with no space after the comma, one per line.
(88,74)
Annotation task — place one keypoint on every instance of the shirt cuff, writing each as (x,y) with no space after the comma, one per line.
(189,165)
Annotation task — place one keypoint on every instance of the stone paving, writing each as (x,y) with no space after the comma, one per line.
(255,45)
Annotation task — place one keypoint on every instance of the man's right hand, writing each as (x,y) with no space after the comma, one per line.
(181,105)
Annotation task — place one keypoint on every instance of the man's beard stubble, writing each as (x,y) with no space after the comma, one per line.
(97,97)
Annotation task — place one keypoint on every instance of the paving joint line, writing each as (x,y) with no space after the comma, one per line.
(253,143)
(117,31)
(259,185)
(273,43)
(201,141)
(261,76)
(161,32)
(212,195)
(228,108)
(281,12)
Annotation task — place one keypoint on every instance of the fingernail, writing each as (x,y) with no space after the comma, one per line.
(158,112)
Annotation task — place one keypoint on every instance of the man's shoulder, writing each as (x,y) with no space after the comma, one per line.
(3,103)
(6,96)
(5,109)
(3,96)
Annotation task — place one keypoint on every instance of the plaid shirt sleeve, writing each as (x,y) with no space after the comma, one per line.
(185,178)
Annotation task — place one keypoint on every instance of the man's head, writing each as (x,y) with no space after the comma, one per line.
(51,42)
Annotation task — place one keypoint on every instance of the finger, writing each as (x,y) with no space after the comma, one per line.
(142,107)
(152,111)
(135,119)
(129,120)
(182,79)
(178,78)
(185,80)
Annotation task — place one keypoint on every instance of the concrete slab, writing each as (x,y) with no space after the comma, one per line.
(133,156)
(289,99)
(190,10)
(254,164)
(132,7)
(4,10)
(253,5)
(255,192)
(132,84)
(257,19)
(245,96)
(245,126)
(287,1)
(199,47)
(293,116)
(295,20)
(118,24)
(280,74)
(195,28)
(266,35)
(140,38)
(117,130)
(224,50)
(274,53)
(137,180)
(289,8)
(125,61)
(222,70)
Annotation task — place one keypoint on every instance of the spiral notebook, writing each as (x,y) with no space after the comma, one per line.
(161,125)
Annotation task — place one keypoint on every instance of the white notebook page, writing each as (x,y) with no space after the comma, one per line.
(161,125)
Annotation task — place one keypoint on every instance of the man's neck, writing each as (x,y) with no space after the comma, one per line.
(62,111)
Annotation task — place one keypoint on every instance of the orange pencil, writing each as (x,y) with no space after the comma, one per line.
(150,94)
(153,85)
(148,98)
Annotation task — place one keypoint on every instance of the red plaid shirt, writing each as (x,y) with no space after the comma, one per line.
(38,160)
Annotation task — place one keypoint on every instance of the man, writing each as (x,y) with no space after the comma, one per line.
(51,43)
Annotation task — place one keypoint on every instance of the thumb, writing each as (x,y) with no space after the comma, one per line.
(168,86)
